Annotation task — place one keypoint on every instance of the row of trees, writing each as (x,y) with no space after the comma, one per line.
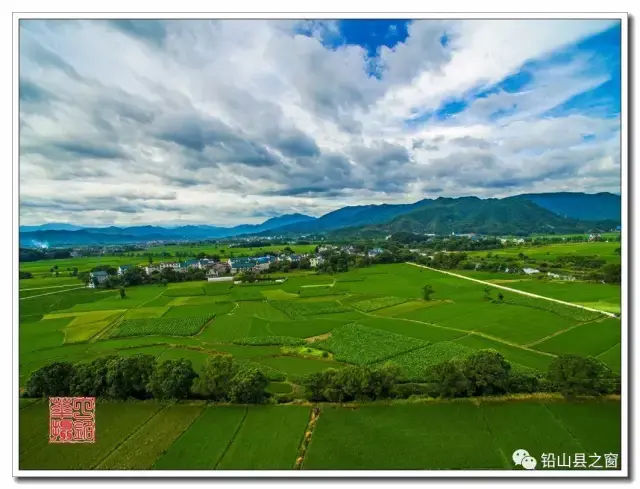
(141,377)
(137,276)
(223,379)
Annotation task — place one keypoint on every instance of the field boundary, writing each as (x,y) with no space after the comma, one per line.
(516,291)
(142,425)
(233,438)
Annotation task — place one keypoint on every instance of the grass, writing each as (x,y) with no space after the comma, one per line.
(178,326)
(361,345)
(526,358)
(198,448)
(378,303)
(415,363)
(305,328)
(142,449)
(199,310)
(146,312)
(529,426)
(115,421)
(412,329)
(587,340)
(436,436)
(255,447)
(196,357)
(298,366)
(612,357)
(279,388)
(596,426)
(184,291)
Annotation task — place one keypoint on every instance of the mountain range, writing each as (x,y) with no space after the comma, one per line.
(563,212)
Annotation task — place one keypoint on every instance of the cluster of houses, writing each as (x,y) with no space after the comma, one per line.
(232,266)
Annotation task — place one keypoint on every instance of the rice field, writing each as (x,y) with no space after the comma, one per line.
(378,317)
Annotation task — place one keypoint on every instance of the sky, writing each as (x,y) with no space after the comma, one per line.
(223,122)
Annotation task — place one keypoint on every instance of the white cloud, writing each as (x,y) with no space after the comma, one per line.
(231,117)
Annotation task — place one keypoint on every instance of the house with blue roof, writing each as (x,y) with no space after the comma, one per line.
(242,265)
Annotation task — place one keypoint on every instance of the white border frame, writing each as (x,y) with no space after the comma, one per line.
(624,119)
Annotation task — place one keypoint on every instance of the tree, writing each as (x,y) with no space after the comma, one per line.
(487,293)
(427,292)
(575,376)
(487,372)
(150,259)
(216,376)
(446,379)
(50,380)
(172,379)
(24,275)
(500,296)
(90,379)
(123,293)
(612,273)
(247,386)
(129,376)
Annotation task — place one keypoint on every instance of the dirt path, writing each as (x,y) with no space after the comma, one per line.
(516,291)
(50,293)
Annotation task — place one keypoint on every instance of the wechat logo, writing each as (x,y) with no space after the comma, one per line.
(522,457)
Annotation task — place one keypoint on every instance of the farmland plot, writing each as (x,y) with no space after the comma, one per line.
(414,364)
(361,345)
(435,436)
(298,366)
(586,340)
(268,438)
(526,358)
(178,326)
(197,448)
(412,329)
(378,303)
(142,449)
(114,422)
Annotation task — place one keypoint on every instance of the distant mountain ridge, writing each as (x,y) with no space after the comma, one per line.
(578,205)
(525,213)
(508,216)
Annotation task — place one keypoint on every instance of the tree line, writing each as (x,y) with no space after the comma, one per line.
(224,379)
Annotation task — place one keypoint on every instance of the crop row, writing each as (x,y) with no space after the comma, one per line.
(360,345)
(270,340)
(174,326)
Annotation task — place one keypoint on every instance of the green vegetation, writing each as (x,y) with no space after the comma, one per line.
(178,326)
(361,345)
(378,303)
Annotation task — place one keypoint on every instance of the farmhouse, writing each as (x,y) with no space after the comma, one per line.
(530,271)
(374,252)
(316,261)
(242,265)
(218,269)
(123,268)
(263,262)
(293,258)
(96,278)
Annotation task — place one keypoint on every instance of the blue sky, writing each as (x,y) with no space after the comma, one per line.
(224,122)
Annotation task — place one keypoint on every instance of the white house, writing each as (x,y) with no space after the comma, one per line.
(316,261)
(99,277)
(374,252)
(530,271)
(123,268)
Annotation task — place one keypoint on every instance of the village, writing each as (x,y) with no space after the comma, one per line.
(226,270)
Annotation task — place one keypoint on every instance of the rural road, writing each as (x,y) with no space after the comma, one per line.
(516,291)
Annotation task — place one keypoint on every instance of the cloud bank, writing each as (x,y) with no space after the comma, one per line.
(224,122)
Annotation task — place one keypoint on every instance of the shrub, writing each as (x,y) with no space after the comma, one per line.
(351,383)
(524,380)
(447,379)
(215,376)
(575,376)
(404,391)
(487,372)
(247,386)
(129,376)
(50,380)
(172,379)
(90,379)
